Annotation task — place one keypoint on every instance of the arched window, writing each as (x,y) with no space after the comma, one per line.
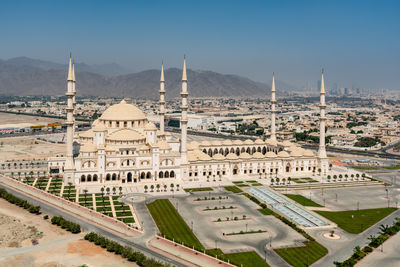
(215,151)
(95,178)
(129,177)
(114,177)
(89,178)
(166,174)
(160,175)
(108,177)
(210,152)
(172,174)
(264,150)
(237,151)
(83,179)
(148,175)
(142,175)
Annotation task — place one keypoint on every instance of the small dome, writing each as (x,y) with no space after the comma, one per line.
(216,143)
(163,145)
(258,155)
(308,153)
(123,112)
(248,142)
(125,135)
(237,142)
(270,154)
(296,153)
(271,142)
(144,148)
(259,142)
(99,128)
(203,156)
(87,134)
(283,154)
(227,142)
(87,148)
(205,143)
(218,157)
(287,143)
(245,155)
(231,156)
(150,127)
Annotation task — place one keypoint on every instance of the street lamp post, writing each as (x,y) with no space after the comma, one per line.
(246,227)
(192,225)
(336,197)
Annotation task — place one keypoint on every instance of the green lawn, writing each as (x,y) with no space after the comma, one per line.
(363,219)
(199,189)
(266,211)
(303,200)
(364,168)
(171,224)
(245,259)
(233,189)
(303,256)
(397,167)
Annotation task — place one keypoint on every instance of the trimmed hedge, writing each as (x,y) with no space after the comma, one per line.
(125,251)
(63,223)
(19,202)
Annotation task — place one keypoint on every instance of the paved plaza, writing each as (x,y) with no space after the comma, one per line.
(212,233)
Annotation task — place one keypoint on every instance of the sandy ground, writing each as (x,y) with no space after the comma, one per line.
(25,147)
(56,247)
(8,118)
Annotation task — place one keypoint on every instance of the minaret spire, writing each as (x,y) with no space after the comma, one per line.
(162,98)
(184,119)
(322,106)
(74,97)
(69,163)
(273,111)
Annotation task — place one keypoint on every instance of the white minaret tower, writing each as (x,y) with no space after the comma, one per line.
(73,98)
(69,163)
(273,111)
(162,99)
(322,106)
(184,119)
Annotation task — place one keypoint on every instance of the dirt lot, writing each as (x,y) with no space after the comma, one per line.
(55,246)
(8,118)
(26,147)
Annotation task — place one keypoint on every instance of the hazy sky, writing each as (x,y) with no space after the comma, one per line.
(357,42)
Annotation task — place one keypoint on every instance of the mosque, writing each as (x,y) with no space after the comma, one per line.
(124,148)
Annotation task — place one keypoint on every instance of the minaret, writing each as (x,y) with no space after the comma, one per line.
(162,99)
(322,106)
(273,111)
(69,164)
(184,119)
(73,98)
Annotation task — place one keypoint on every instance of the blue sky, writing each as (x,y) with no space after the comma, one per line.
(357,42)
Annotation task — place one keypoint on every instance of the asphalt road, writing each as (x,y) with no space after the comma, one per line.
(89,227)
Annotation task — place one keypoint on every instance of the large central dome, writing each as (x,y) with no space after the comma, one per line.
(123,112)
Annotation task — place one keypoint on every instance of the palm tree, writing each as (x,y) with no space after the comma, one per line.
(284,181)
(145,188)
(330,166)
(340,177)
(12,174)
(172,187)
(214,177)
(114,190)
(152,188)
(277,181)
(357,175)
(385,229)
(346,176)
(289,180)
(158,187)
(165,188)
(102,192)
(319,171)
(120,190)
(363,176)
(272,181)
(208,178)
(329,178)
(177,187)
(108,190)
(352,176)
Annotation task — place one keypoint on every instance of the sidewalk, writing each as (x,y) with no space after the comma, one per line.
(184,254)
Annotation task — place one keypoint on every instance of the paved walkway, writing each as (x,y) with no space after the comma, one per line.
(342,249)
(186,254)
(389,257)
(48,184)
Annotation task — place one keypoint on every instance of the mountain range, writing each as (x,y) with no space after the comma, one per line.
(26,76)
